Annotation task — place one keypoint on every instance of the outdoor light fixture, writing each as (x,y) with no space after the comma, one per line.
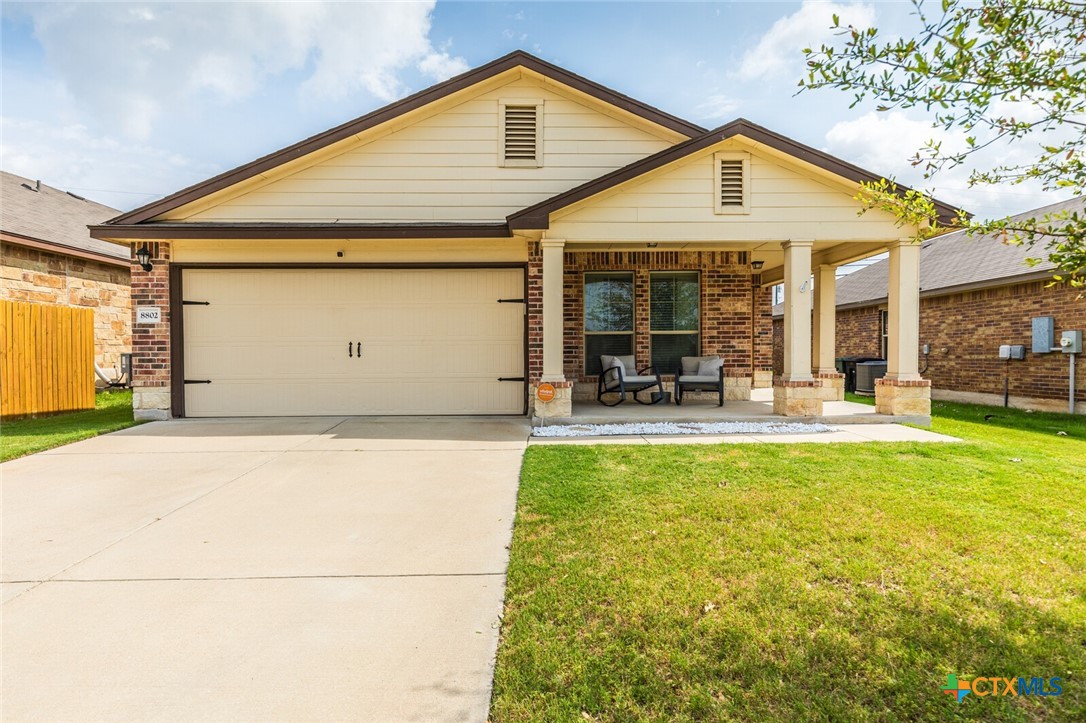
(144,257)
(757,265)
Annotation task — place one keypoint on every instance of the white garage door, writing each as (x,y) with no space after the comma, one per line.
(352,341)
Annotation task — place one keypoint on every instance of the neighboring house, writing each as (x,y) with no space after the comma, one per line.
(449,252)
(48,257)
(976,293)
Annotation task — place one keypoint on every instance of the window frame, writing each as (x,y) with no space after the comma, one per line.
(683,332)
(718,202)
(585,333)
(537,162)
(884,333)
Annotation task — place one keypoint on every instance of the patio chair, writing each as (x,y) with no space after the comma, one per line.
(616,380)
(700,374)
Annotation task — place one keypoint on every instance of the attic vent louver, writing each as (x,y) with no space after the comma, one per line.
(732,182)
(520,138)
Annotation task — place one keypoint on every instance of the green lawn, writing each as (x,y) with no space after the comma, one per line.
(800,582)
(113,411)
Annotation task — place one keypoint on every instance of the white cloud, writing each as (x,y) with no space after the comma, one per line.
(780,51)
(127,63)
(717,107)
(885,142)
(70,156)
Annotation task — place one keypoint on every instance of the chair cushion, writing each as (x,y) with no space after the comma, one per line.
(690,363)
(698,379)
(710,366)
(625,364)
(639,380)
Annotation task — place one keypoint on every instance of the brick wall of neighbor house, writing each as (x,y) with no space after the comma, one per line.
(43,277)
(857,335)
(151,342)
(965,331)
(736,317)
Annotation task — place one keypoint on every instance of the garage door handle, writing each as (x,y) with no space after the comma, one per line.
(350,351)
(359,350)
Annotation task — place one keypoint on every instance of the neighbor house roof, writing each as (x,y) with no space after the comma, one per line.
(956,262)
(537,216)
(34,214)
(516,59)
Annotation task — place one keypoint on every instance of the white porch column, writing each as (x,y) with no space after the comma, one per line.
(797,310)
(553,283)
(902,392)
(903,306)
(797,393)
(825,322)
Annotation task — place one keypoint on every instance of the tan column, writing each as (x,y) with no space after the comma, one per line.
(797,310)
(903,307)
(553,284)
(825,323)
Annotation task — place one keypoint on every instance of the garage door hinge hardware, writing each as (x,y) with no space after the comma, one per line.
(510,379)
(197,381)
(510,301)
(196,303)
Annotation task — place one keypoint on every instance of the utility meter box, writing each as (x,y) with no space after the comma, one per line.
(1044,334)
(1071,342)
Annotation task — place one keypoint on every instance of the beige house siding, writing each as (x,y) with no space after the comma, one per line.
(445,168)
(679,203)
(42,277)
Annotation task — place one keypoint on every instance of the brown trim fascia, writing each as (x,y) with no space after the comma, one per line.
(263,231)
(389,112)
(537,217)
(348,265)
(62,249)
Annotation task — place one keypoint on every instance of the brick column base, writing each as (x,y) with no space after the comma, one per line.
(561,407)
(151,403)
(833,386)
(797,398)
(903,397)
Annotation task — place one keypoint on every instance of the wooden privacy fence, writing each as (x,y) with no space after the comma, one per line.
(46,359)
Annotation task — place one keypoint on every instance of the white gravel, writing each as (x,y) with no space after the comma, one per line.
(639,428)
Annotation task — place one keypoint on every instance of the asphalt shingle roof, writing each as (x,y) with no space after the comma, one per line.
(953,260)
(52,215)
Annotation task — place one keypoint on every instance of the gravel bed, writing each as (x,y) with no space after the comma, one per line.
(640,428)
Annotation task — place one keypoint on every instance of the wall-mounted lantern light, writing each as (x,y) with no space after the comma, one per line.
(757,265)
(143,255)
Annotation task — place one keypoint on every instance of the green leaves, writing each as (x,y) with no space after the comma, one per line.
(998,72)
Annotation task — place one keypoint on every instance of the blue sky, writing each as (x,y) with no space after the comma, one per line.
(125,102)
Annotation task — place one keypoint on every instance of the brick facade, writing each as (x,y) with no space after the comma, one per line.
(965,331)
(151,342)
(54,279)
(735,315)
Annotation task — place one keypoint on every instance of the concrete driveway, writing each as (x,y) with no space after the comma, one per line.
(262,569)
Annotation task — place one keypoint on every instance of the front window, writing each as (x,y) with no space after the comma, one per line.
(673,318)
(884,333)
(608,317)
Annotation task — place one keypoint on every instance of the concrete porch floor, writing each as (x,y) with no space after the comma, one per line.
(758,409)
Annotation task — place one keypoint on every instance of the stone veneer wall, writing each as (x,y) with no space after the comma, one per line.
(54,279)
(736,316)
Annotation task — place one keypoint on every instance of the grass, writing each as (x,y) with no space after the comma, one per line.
(799,582)
(20,437)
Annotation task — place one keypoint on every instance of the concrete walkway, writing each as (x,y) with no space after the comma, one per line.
(297,569)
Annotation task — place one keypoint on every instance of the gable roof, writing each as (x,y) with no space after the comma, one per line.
(955,261)
(35,212)
(538,216)
(516,59)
